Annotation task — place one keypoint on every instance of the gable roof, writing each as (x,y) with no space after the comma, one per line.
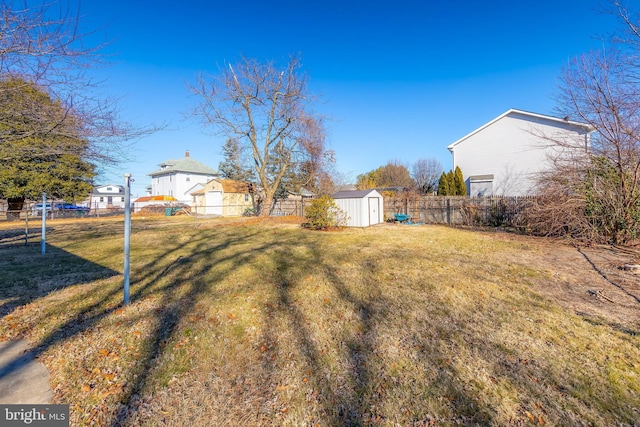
(186,165)
(117,189)
(354,194)
(228,186)
(513,111)
(231,186)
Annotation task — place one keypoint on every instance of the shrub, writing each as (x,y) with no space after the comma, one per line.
(323,214)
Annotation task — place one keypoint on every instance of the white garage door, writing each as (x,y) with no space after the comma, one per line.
(214,203)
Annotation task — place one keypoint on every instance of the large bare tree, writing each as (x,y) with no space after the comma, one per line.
(594,192)
(425,173)
(269,111)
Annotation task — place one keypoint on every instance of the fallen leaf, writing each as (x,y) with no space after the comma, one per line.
(540,420)
(103,352)
(85,388)
(530,416)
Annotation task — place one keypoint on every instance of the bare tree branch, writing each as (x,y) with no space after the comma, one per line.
(267,110)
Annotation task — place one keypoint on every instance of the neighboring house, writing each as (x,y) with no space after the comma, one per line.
(142,202)
(362,207)
(224,197)
(177,178)
(346,187)
(108,196)
(300,195)
(504,156)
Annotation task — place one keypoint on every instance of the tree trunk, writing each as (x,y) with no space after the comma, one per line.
(14,208)
(266,204)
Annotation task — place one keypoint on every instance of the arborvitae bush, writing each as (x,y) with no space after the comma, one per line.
(443,185)
(323,213)
(458,181)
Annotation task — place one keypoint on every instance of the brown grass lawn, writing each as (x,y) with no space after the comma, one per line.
(270,324)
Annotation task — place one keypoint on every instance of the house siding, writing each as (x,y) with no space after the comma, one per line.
(175,184)
(513,150)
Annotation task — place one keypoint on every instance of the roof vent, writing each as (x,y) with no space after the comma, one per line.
(186,154)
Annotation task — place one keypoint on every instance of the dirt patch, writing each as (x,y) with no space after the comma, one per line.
(591,281)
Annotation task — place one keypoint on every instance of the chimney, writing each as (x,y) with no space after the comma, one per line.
(186,154)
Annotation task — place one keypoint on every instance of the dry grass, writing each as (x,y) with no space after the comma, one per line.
(270,324)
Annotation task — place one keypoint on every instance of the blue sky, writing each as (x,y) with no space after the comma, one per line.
(399,81)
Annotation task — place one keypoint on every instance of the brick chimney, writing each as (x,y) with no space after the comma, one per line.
(186,154)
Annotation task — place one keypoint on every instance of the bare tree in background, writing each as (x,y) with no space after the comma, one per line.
(269,111)
(40,42)
(593,192)
(425,173)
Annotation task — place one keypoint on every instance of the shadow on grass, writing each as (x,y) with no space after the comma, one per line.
(356,396)
(28,275)
(172,276)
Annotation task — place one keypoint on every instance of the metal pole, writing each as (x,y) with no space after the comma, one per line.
(26,228)
(44,223)
(127,234)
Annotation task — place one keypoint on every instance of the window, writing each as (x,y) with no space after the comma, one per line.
(246,197)
(188,178)
(123,199)
(101,199)
(170,178)
(109,188)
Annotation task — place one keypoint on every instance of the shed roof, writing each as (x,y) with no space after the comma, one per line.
(354,194)
(232,186)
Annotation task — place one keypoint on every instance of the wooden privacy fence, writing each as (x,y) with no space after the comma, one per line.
(286,207)
(459,210)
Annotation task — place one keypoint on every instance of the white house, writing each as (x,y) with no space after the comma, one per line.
(179,178)
(108,196)
(363,207)
(504,156)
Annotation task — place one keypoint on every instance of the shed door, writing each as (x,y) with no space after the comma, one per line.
(374,209)
(213,202)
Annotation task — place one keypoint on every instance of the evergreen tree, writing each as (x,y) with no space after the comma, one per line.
(460,186)
(451,182)
(39,160)
(233,165)
(443,185)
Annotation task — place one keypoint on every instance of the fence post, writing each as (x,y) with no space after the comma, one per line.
(448,210)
